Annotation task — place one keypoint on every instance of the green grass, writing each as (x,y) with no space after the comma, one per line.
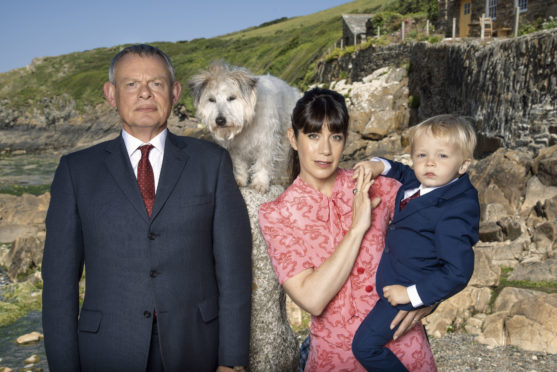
(544,285)
(18,299)
(286,48)
(19,190)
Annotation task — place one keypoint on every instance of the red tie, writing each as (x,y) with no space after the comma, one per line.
(145,178)
(404,202)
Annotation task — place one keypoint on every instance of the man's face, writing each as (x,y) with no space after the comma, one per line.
(143,93)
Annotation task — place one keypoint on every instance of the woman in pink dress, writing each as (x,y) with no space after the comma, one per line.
(325,235)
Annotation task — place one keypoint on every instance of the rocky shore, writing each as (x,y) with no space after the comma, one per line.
(505,320)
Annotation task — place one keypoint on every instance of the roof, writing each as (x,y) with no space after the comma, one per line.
(356,22)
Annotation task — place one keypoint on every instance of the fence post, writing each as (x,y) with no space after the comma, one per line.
(427,27)
(454,28)
(482,26)
(402,31)
(516,19)
(378,31)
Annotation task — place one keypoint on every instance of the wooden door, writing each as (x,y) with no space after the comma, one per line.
(465,18)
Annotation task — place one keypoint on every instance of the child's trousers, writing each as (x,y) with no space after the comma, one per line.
(369,341)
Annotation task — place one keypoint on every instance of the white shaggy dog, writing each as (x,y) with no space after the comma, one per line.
(249,116)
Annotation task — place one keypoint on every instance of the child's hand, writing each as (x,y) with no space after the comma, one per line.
(374,167)
(396,294)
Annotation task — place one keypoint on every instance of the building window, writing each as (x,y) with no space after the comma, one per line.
(467,8)
(523,4)
(492,9)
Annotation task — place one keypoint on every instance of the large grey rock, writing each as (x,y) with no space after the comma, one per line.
(510,295)
(273,344)
(536,192)
(504,254)
(23,210)
(500,178)
(545,166)
(536,271)
(544,239)
(457,310)
(531,324)
(25,254)
(486,274)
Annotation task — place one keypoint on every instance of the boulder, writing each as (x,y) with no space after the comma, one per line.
(531,324)
(544,239)
(492,212)
(548,209)
(26,253)
(545,166)
(490,232)
(29,338)
(504,254)
(510,295)
(536,192)
(536,271)
(486,274)
(501,178)
(456,310)
(493,329)
(269,323)
(33,359)
(511,228)
(23,210)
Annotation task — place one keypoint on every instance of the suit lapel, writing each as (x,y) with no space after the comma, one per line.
(431,198)
(119,166)
(173,164)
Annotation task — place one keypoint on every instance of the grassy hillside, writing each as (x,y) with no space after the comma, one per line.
(287,48)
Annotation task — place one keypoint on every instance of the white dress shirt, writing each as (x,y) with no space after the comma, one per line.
(155,155)
(412,290)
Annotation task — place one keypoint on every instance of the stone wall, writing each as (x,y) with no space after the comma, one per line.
(508,86)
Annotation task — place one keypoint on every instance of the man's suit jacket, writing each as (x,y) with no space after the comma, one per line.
(429,243)
(191,261)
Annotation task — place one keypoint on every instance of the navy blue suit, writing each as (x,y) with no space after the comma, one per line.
(191,261)
(428,244)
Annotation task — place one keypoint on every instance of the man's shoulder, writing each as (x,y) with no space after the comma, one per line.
(93,152)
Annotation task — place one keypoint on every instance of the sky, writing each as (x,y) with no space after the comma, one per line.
(39,28)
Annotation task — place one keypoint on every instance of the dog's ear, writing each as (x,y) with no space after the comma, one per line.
(197,84)
(246,82)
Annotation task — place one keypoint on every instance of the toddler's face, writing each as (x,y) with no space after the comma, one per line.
(437,161)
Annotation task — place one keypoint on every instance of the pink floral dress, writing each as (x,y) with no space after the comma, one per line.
(302,227)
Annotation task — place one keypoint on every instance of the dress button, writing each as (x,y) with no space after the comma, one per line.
(153,273)
(369,288)
(360,270)
(147,314)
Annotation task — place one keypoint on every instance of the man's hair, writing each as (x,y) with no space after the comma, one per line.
(142,50)
(456,129)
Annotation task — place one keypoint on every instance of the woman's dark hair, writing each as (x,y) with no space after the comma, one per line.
(317,106)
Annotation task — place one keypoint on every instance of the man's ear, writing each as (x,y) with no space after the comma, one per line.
(464,167)
(292,138)
(109,93)
(176,90)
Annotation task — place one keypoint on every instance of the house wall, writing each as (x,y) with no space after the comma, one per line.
(449,9)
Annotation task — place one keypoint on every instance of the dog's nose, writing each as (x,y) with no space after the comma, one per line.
(221,121)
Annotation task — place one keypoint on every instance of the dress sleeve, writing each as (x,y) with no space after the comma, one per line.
(285,244)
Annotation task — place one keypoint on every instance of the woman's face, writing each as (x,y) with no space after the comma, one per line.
(319,155)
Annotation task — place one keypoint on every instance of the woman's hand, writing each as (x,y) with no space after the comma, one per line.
(408,320)
(362,205)
(375,167)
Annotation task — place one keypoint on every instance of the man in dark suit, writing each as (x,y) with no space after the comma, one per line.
(428,253)
(163,232)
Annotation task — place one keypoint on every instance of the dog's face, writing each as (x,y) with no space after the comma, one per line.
(225,100)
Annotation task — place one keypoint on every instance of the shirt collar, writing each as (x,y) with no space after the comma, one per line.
(133,143)
(425,190)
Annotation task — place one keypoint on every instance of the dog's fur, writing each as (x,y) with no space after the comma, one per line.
(249,116)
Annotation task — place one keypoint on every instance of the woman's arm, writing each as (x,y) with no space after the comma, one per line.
(313,289)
